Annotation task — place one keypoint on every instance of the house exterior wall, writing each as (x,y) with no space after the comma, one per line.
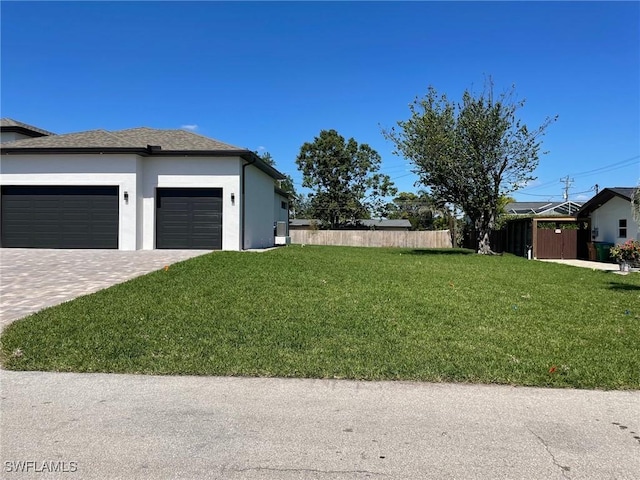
(139,205)
(140,177)
(82,170)
(259,214)
(281,214)
(605,220)
(192,172)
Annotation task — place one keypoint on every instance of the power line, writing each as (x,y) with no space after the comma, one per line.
(603,169)
(538,195)
(402,176)
(607,168)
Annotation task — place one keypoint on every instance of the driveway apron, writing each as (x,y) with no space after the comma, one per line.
(33,279)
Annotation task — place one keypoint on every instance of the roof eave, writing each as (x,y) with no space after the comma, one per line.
(281,192)
(600,199)
(24,131)
(247,155)
(254,159)
(70,150)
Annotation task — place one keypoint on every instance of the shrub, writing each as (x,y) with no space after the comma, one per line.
(629,251)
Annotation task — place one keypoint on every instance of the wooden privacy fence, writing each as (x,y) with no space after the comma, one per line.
(373,238)
(556,243)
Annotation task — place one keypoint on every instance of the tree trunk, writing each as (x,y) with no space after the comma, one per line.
(484,243)
(483,231)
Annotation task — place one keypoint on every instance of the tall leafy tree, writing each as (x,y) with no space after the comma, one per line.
(470,153)
(344,179)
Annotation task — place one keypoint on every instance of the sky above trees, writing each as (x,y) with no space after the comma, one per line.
(269,76)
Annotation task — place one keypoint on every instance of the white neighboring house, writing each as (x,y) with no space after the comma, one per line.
(134,189)
(611,216)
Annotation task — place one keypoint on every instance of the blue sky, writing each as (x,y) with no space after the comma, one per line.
(268,76)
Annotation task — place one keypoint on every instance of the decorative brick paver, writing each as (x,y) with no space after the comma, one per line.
(33,279)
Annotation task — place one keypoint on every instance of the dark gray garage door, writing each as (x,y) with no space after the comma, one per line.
(189,218)
(59,217)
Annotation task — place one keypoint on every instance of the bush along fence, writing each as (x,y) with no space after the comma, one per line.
(373,238)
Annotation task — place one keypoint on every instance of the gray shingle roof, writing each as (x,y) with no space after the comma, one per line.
(172,139)
(626,192)
(604,196)
(169,140)
(89,139)
(137,140)
(7,123)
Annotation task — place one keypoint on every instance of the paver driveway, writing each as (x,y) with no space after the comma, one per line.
(32,279)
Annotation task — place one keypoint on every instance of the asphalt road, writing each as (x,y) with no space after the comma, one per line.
(101,426)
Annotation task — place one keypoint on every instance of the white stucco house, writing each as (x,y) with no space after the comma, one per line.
(611,216)
(134,189)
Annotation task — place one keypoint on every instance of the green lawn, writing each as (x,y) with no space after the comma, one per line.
(363,313)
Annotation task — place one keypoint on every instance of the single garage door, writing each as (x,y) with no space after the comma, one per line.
(189,218)
(59,217)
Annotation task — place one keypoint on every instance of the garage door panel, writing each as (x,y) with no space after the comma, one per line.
(73,217)
(174,206)
(16,204)
(177,217)
(60,217)
(204,227)
(189,218)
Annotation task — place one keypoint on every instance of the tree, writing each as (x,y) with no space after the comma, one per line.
(303,208)
(471,153)
(420,209)
(501,212)
(343,177)
(635,204)
(285,185)
(267,158)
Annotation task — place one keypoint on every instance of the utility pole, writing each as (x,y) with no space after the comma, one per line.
(567,183)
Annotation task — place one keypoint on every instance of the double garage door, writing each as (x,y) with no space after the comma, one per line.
(87,217)
(59,217)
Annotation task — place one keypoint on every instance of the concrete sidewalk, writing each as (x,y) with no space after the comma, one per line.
(105,426)
(610,267)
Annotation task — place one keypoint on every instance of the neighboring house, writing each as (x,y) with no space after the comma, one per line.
(388,225)
(611,216)
(542,208)
(134,189)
